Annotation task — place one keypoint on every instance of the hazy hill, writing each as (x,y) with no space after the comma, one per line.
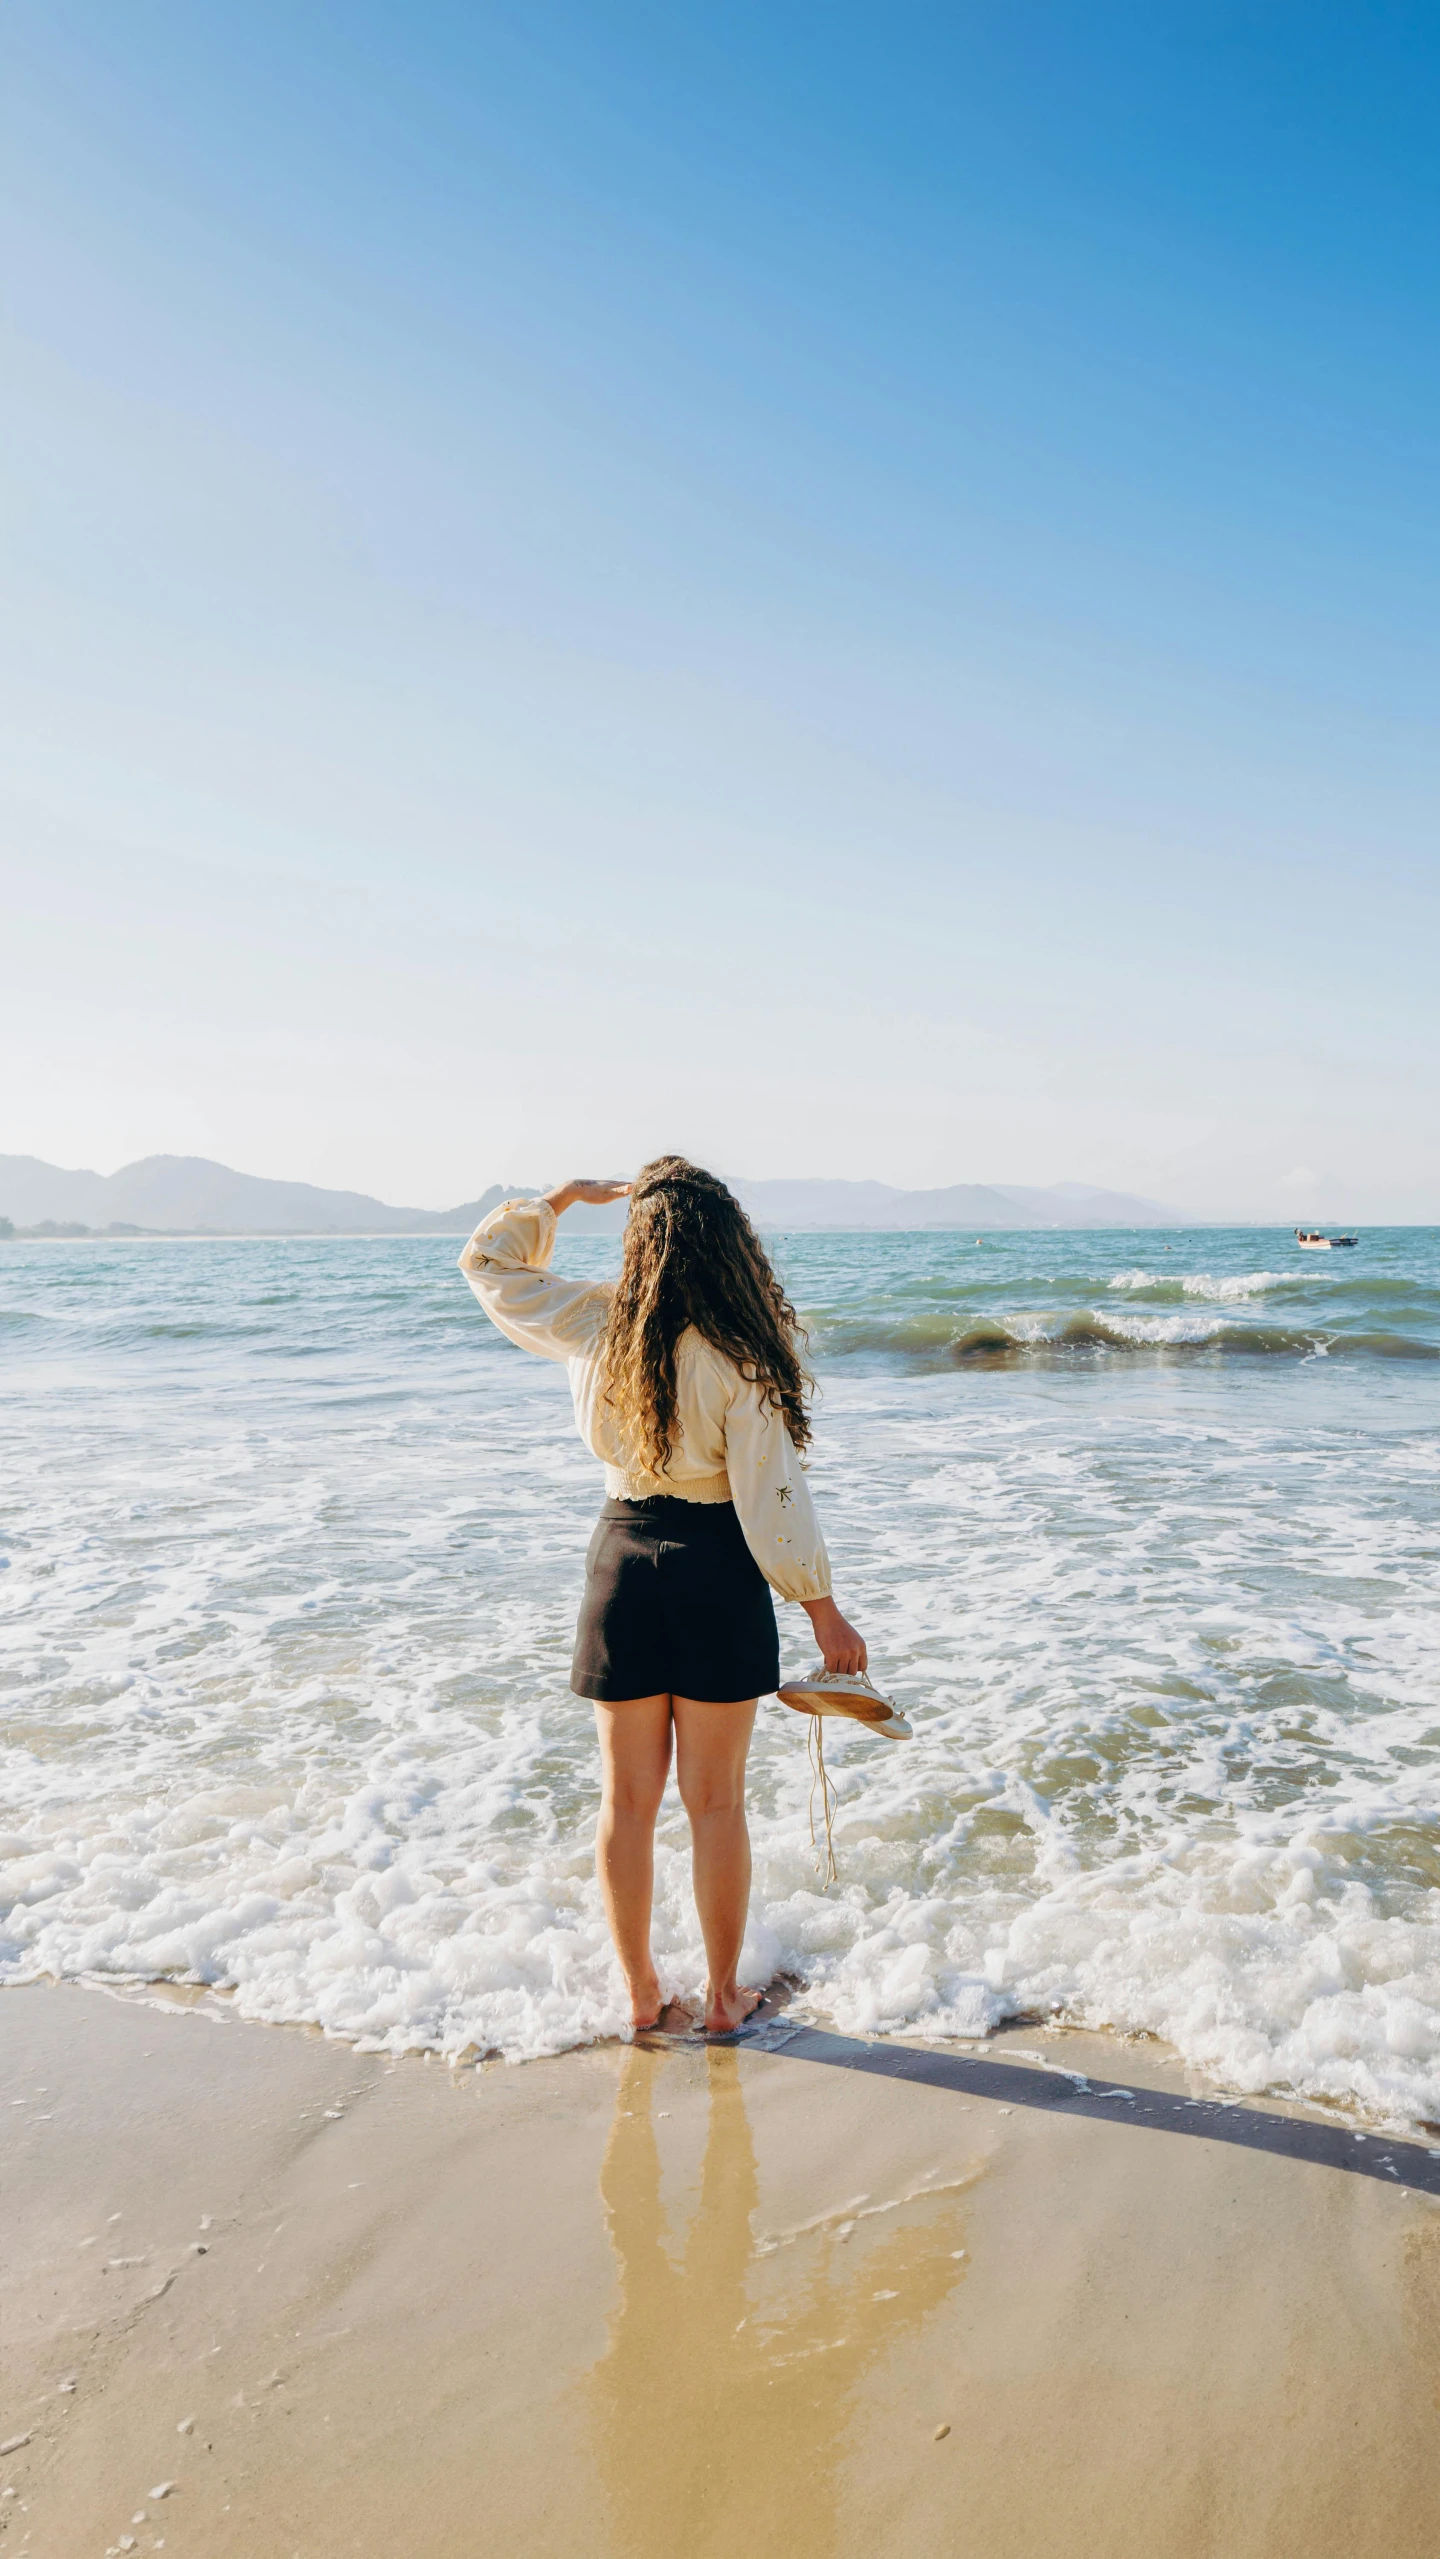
(187,1194)
(180,1194)
(977,1204)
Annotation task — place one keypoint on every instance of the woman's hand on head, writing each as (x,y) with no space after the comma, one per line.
(591,1194)
(841,1644)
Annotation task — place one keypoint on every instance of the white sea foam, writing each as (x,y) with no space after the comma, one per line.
(1234,1288)
(288,1707)
(1163,1328)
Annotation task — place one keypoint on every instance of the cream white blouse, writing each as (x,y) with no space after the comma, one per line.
(731,1446)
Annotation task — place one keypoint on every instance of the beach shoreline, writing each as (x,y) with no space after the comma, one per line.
(634,2300)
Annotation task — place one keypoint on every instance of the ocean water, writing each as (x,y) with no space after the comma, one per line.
(1143,1530)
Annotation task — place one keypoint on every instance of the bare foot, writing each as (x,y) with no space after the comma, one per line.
(647,2005)
(727,2009)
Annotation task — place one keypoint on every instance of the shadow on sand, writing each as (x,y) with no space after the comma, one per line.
(1069,2092)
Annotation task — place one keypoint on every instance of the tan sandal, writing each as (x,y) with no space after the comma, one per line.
(838,1692)
(847,1693)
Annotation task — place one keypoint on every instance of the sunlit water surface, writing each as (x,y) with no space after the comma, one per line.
(1144,1530)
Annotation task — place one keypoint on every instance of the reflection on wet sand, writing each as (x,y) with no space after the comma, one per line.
(726,2402)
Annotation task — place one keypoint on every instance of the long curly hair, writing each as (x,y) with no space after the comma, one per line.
(692,1257)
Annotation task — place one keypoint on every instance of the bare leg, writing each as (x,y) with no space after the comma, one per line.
(711,1746)
(635,1762)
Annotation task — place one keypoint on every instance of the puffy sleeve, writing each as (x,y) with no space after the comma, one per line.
(506,1262)
(772,1496)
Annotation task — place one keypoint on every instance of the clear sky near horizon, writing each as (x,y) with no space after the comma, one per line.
(849,589)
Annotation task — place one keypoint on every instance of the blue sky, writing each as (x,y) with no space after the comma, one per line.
(847,589)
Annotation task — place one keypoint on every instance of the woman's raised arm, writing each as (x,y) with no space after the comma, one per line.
(591,1194)
(506,1262)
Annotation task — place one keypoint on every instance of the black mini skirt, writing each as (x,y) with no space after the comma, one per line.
(675,1604)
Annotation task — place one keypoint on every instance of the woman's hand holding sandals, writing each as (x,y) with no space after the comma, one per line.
(843,1648)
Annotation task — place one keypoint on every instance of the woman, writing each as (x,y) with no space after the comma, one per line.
(688,1386)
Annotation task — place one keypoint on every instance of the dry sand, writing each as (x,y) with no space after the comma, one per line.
(657,2303)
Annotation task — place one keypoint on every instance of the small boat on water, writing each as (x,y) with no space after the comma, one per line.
(1310,1240)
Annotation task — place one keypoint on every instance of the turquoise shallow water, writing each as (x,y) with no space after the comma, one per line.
(1144,1529)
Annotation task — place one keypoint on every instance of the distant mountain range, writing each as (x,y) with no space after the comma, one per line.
(188,1195)
(983,1204)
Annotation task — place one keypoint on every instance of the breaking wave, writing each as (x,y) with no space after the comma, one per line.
(1039,1339)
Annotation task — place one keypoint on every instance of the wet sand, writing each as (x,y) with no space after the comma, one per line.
(638,2303)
